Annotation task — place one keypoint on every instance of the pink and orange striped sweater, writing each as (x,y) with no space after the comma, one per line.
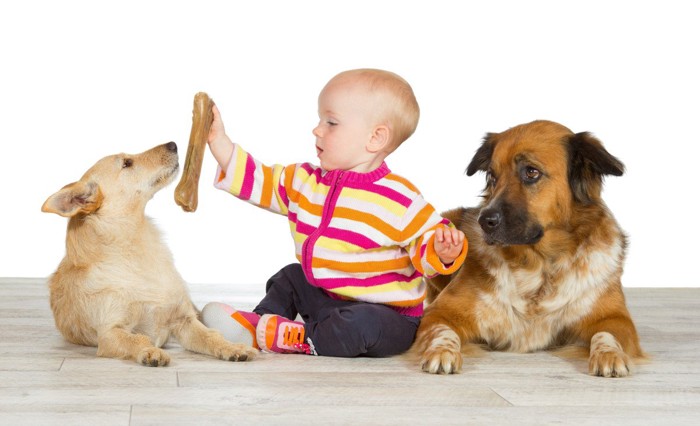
(358,236)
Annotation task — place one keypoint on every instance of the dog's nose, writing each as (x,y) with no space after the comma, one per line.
(171,146)
(490,219)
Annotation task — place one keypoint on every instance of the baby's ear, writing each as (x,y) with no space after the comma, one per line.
(72,199)
(379,140)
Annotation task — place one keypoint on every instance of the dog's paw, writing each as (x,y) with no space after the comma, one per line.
(236,352)
(442,352)
(607,359)
(153,357)
(441,361)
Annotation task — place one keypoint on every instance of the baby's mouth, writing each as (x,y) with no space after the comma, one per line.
(318,150)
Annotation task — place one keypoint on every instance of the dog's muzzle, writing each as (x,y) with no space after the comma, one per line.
(505,225)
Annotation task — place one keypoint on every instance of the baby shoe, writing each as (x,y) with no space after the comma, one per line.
(235,326)
(280,335)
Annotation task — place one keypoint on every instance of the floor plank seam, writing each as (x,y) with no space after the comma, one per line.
(510,404)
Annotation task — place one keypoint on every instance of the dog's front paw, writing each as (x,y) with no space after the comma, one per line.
(442,351)
(236,352)
(153,357)
(607,359)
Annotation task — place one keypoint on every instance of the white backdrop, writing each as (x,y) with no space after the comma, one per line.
(83,79)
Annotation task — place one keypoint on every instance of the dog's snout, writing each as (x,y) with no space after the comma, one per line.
(490,219)
(171,146)
(505,224)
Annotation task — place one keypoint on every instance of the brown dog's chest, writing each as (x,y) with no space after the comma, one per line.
(527,309)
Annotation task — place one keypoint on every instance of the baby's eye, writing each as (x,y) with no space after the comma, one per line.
(331,123)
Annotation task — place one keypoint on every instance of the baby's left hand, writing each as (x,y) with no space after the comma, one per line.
(448,243)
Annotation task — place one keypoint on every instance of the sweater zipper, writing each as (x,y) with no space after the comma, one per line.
(307,249)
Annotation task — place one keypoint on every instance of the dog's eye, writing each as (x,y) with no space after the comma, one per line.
(531,175)
(128,162)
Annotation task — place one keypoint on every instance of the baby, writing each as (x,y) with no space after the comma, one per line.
(364,237)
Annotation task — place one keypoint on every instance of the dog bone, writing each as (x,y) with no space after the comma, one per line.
(186,190)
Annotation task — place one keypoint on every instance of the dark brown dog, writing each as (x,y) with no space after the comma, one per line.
(545,257)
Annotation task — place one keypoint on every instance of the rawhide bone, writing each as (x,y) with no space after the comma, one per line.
(202,116)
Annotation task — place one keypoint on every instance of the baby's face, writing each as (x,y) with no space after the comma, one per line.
(346,124)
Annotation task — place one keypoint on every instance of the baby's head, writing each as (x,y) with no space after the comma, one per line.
(388,99)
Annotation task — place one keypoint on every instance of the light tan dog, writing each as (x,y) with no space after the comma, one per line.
(117,287)
(545,257)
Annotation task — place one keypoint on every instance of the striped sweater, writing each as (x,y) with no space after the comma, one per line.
(359,236)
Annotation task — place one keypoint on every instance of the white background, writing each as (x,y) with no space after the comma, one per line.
(83,79)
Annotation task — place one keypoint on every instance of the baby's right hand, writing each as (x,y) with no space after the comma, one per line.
(219,143)
(217,126)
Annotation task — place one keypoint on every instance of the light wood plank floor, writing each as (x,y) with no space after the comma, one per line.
(44,380)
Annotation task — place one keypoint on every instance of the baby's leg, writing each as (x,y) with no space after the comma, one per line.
(281,292)
(336,327)
(362,329)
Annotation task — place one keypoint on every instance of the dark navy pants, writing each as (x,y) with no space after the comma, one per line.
(337,327)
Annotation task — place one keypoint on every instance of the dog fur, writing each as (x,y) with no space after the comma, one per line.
(545,257)
(117,287)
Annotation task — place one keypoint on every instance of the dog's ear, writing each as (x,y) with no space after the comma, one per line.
(482,157)
(589,162)
(75,198)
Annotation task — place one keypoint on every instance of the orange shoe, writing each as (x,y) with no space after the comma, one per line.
(280,335)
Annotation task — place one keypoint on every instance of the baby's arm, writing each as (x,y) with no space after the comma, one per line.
(448,244)
(219,143)
(245,177)
(435,246)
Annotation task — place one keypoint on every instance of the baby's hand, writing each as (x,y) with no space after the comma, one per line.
(219,143)
(448,243)
(216,131)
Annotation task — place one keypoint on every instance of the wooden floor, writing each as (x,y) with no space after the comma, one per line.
(44,380)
